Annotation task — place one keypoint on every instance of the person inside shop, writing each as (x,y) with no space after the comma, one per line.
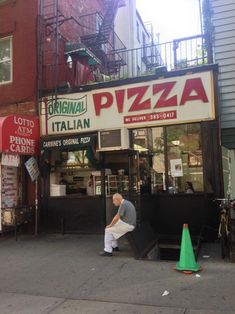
(90,186)
(189,187)
(124,221)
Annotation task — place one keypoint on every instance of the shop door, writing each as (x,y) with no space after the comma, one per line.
(124,179)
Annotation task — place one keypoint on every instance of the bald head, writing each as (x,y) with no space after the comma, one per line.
(117,199)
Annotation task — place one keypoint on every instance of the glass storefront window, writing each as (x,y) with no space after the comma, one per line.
(170,158)
(184,157)
(142,139)
(158,161)
(70,172)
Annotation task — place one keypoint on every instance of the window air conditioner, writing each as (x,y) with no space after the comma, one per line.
(114,139)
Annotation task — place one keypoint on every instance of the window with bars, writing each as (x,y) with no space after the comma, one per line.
(5,60)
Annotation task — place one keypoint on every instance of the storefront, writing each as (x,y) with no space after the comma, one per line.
(155,141)
(19,140)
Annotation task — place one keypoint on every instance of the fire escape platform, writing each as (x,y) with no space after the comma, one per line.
(81,50)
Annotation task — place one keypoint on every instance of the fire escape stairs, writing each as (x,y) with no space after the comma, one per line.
(112,60)
(107,24)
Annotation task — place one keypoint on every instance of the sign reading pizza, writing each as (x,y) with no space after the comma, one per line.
(186,98)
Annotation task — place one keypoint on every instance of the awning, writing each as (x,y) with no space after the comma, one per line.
(19,135)
(71,143)
(81,50)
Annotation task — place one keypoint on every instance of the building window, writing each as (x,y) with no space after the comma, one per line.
(138,31)
(144,39)
(5,60)
(144,46)
(170,158)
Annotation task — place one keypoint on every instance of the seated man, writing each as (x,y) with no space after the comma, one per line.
(124,221)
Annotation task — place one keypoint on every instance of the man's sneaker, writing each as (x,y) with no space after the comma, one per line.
(104,253)
(116,249)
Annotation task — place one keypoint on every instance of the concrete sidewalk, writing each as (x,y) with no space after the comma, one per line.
(64,274)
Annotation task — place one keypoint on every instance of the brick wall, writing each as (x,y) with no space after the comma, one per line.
(22,108)
(18,19)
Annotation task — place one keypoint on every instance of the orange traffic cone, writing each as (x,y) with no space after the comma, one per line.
(187,263)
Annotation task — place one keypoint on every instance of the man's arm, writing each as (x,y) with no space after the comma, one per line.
(115,219)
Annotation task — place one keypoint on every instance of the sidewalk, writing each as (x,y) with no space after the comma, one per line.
(64,274)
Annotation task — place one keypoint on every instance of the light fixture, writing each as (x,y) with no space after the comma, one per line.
(70,62)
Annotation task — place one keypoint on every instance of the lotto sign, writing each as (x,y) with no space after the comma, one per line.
(19,135)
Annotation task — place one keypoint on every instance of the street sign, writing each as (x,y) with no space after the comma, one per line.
(32,167)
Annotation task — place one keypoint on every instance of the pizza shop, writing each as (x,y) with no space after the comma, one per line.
(19,141)
(154,139)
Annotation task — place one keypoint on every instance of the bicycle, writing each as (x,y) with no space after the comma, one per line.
(223,232)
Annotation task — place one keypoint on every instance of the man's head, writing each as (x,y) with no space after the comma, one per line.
(117,199)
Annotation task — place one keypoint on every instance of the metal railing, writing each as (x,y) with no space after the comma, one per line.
(90,24)
(123,63)
(178,54)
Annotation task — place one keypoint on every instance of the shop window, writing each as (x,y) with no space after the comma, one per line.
(170,158)
(70,172)
(142,139)
(184,158)
(5,60)
(158,162)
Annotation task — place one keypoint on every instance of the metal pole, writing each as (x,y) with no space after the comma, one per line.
(36,208)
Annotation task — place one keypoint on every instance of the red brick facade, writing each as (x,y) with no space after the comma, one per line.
(18,19)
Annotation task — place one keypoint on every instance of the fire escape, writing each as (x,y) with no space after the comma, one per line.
(50,46)
(97,36)
(96,42)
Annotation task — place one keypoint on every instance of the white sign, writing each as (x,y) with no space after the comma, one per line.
(181,99)
(10,160)
(32,167)
(9,187)
(176,168)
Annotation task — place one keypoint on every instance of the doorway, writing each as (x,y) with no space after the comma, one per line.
(124,178)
